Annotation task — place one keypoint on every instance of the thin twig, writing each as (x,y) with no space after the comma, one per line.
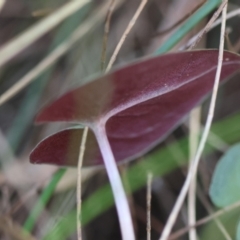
(230,15)
(19,43)
(172,27)
(193,169)
(125,223)
(217,142)
(209,24)
(106,32)
(85,132)
(236,46)
(229,45)
(12,230)
(42,12)
(2,3)
(128,29)
(79,191)
(149,198)
(209,209)
(177,153)
(194,129)
(54,55)
(23,199)
(202,221)
(113,174)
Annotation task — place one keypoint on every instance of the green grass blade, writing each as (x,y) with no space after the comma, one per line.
(188,25)
(25,39)
(135,174)
(30,102)
(43,200)
(159,163)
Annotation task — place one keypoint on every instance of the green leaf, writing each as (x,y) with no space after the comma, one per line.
(225,185)
(238,231)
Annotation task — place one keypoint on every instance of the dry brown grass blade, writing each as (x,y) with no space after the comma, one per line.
(194,130)
(59,51)
(192,172)
(185,17)
(20,42)
(79,191)
(209,24)
(177,153)
(205,220)
(129,230)
(229,45)
(126,32)
(42,12)
(106,32)
(2,2)
(13,230)
(210,211)
(149,198)
(85,132)
(236,46)
(230,15)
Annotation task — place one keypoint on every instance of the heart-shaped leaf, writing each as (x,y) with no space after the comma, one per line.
(139,104)
(225,184)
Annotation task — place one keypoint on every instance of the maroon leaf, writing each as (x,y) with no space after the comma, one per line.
(66,144)
(139,104)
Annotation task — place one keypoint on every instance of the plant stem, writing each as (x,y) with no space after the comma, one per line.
(148,200)
(120,197)
(226,129)
(194,132)
(173,215)
(79,181)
